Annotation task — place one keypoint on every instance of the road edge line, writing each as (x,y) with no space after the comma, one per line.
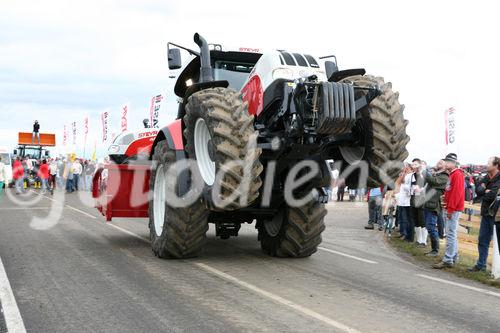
(347,255)
(12,316)
(456,284)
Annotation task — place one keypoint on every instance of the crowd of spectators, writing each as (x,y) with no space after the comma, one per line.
(428,201)
(69,174)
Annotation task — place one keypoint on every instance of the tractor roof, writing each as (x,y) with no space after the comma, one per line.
(192,69)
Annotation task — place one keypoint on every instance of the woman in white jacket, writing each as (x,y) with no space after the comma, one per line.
(403,186)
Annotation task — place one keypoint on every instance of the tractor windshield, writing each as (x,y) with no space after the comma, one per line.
(235,73)
(31,152)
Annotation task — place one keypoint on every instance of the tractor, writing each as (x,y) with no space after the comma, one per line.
(251,141)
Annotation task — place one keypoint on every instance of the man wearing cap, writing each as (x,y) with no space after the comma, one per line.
(454,198)
(487,191)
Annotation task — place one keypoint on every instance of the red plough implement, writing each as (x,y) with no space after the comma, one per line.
(121,190)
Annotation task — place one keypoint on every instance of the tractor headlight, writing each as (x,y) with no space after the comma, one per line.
(283,73)
(113,149)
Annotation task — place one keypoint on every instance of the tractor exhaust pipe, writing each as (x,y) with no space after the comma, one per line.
(206,67)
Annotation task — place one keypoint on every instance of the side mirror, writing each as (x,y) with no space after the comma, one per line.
(174,59)
(47,153)
(330,68)
(15,151)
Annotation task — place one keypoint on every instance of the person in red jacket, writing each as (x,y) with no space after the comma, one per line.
(18,175)
(454,198)
(43,174)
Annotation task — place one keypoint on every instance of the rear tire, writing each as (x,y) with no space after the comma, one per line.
(299,234)
(383,129)
(180,232)
(231,138)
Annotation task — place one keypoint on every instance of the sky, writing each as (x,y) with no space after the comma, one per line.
(63,60)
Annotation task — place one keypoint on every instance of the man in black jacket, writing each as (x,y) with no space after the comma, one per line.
(36,132)
(487,191)
(436,180)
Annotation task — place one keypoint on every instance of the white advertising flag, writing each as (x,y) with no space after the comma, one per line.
(73,127)
(154,110)
(86,127)
(85,132)
(495,270)
(451,131)
(124,117)
(65,135)
(104,119)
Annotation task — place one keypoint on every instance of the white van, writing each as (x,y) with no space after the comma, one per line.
(6,158)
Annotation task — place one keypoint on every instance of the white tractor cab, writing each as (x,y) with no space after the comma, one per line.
(7,159)
(132,146)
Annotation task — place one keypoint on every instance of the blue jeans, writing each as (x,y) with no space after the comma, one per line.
(485,235)
(69,185)
(59,182)
(88,184)
(403,219)
(431,222)
(441,224)
(76,181)
(44,184)
(375,210)
(451,254)
(19,185)
(328,191)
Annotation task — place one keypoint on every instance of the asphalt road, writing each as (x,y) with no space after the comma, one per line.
(77,273)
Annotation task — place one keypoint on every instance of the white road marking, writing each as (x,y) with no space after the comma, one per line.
(348,255)
(70,207)
(23,208)
(128,232)
(108,224)
(11,313)
(480,290)
(278,299)
(81,211)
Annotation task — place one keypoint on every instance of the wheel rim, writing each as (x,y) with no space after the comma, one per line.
(352,155)
(159,200)
(202,140)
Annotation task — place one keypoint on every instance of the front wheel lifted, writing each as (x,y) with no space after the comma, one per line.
(221,138)
(175,232)
(382,128)
(294,231)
